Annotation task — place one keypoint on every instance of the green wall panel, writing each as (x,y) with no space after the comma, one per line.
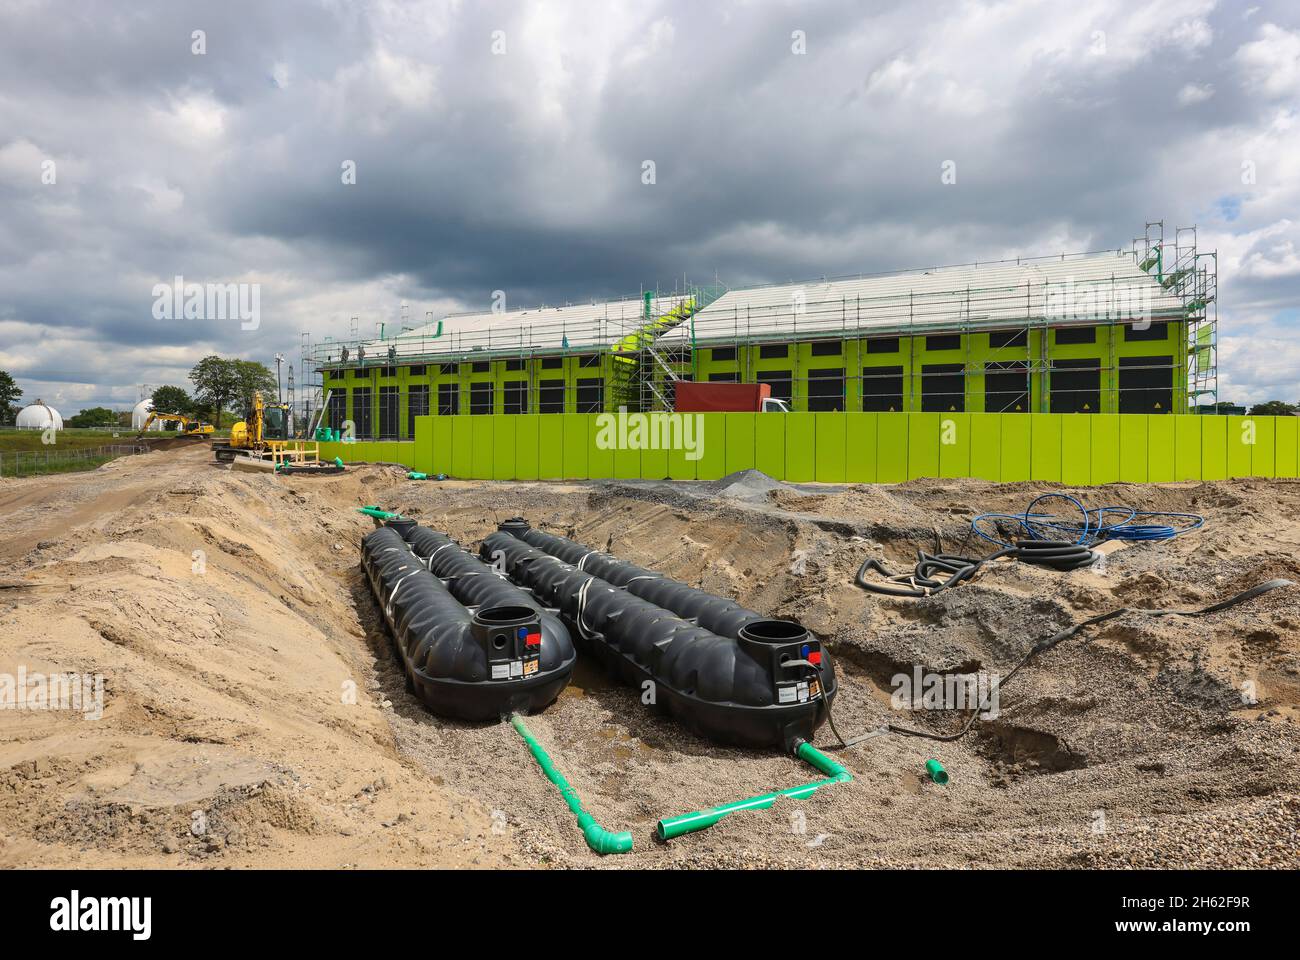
(1187,446)
(1287,446)
(1238,448)
(1104,448)
(1133,448)
(954,456)
(740,429)
(831,447)
(1214,448)
(462,447)
(442,445)
(576,443)
(481,453)
(922,445)
(1016,434)
(986,446)
(600,462)
(654,464)
(526,461)
(800,447)
(423,445)
(891,447)
(1045,445)
(712,464)
(1263,454)
(860,447)
(1076,449)
(550,446)
(504,446)
(1160,448)
(769,445)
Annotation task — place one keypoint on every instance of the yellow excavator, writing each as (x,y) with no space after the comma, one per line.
(189,427)
(265,435)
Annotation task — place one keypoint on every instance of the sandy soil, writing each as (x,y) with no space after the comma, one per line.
(255,715)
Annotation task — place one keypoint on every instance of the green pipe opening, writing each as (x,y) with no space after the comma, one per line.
(936,771)
(671,827)
(599,839)
(380,513)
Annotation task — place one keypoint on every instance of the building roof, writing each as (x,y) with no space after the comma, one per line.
(585,326)
(1082,288)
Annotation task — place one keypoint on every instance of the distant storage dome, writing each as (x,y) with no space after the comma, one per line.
(141,413)
(38,416)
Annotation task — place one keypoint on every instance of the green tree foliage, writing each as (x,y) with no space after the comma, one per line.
(9,394)
(1274,408)
(169,399)
(94,417)
(221,383)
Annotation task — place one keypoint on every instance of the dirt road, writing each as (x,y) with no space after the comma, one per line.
(254,714)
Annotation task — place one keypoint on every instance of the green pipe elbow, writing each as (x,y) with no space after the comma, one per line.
(599,839)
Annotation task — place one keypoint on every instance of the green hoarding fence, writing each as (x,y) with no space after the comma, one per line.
(855,447)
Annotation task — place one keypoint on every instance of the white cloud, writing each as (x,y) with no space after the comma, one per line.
(1193,93)
(1271,64)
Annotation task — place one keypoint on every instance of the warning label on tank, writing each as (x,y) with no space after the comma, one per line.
(500,671)
(530,667)
(516,668)
(814,689)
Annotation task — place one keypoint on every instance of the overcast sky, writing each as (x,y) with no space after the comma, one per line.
(502,146)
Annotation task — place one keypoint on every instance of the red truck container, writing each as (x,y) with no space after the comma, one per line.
(692,397)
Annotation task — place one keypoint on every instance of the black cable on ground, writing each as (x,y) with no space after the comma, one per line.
(939,571)
(1047,643)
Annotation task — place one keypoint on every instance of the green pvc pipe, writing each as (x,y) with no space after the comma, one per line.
(671,827)
(380,513)
(936,771)
(416,475)
(600,840)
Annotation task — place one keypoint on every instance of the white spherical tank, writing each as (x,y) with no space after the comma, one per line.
(141,413)
(38,416)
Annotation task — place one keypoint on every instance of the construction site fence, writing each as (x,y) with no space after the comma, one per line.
(853,447)
(29,463)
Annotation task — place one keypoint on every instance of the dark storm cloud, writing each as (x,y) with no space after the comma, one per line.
(1068,128)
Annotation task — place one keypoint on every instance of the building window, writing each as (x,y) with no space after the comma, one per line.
(826,389)
(1156,331)
(591,395)
(338,409)
(514,396)
(514,364)
(361,411)
(724,377)
(943,387)
(388,413)
(550,396)
(552,363)
(480,398)
(827,348)
(781,382)
(417,405)
(883,345)
(448,399)
(1146,384)
(388,371)
(1070,336)
(480,366)
(882,389)
(947,341)
(1006,387)
(589,360)
(1008,338)
(415,371)
(447,369)
(722,353)
(1076,386)
(774,351)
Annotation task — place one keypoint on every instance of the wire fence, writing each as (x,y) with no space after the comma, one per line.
(31,463)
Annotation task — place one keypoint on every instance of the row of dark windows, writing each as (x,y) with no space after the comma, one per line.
(590,398)
(1145,386)
(998,339)
(477,366)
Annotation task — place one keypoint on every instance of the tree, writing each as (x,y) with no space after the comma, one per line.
(169,399)
(1274,408)
(216,385)
(253,378)
(9,394)
(94,417)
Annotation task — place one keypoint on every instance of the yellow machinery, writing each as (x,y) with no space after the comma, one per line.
(189,427)
(265,435)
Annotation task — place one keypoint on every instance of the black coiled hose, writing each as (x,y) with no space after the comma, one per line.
(939,571)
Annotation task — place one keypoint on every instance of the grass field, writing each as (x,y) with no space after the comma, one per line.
(12,440)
